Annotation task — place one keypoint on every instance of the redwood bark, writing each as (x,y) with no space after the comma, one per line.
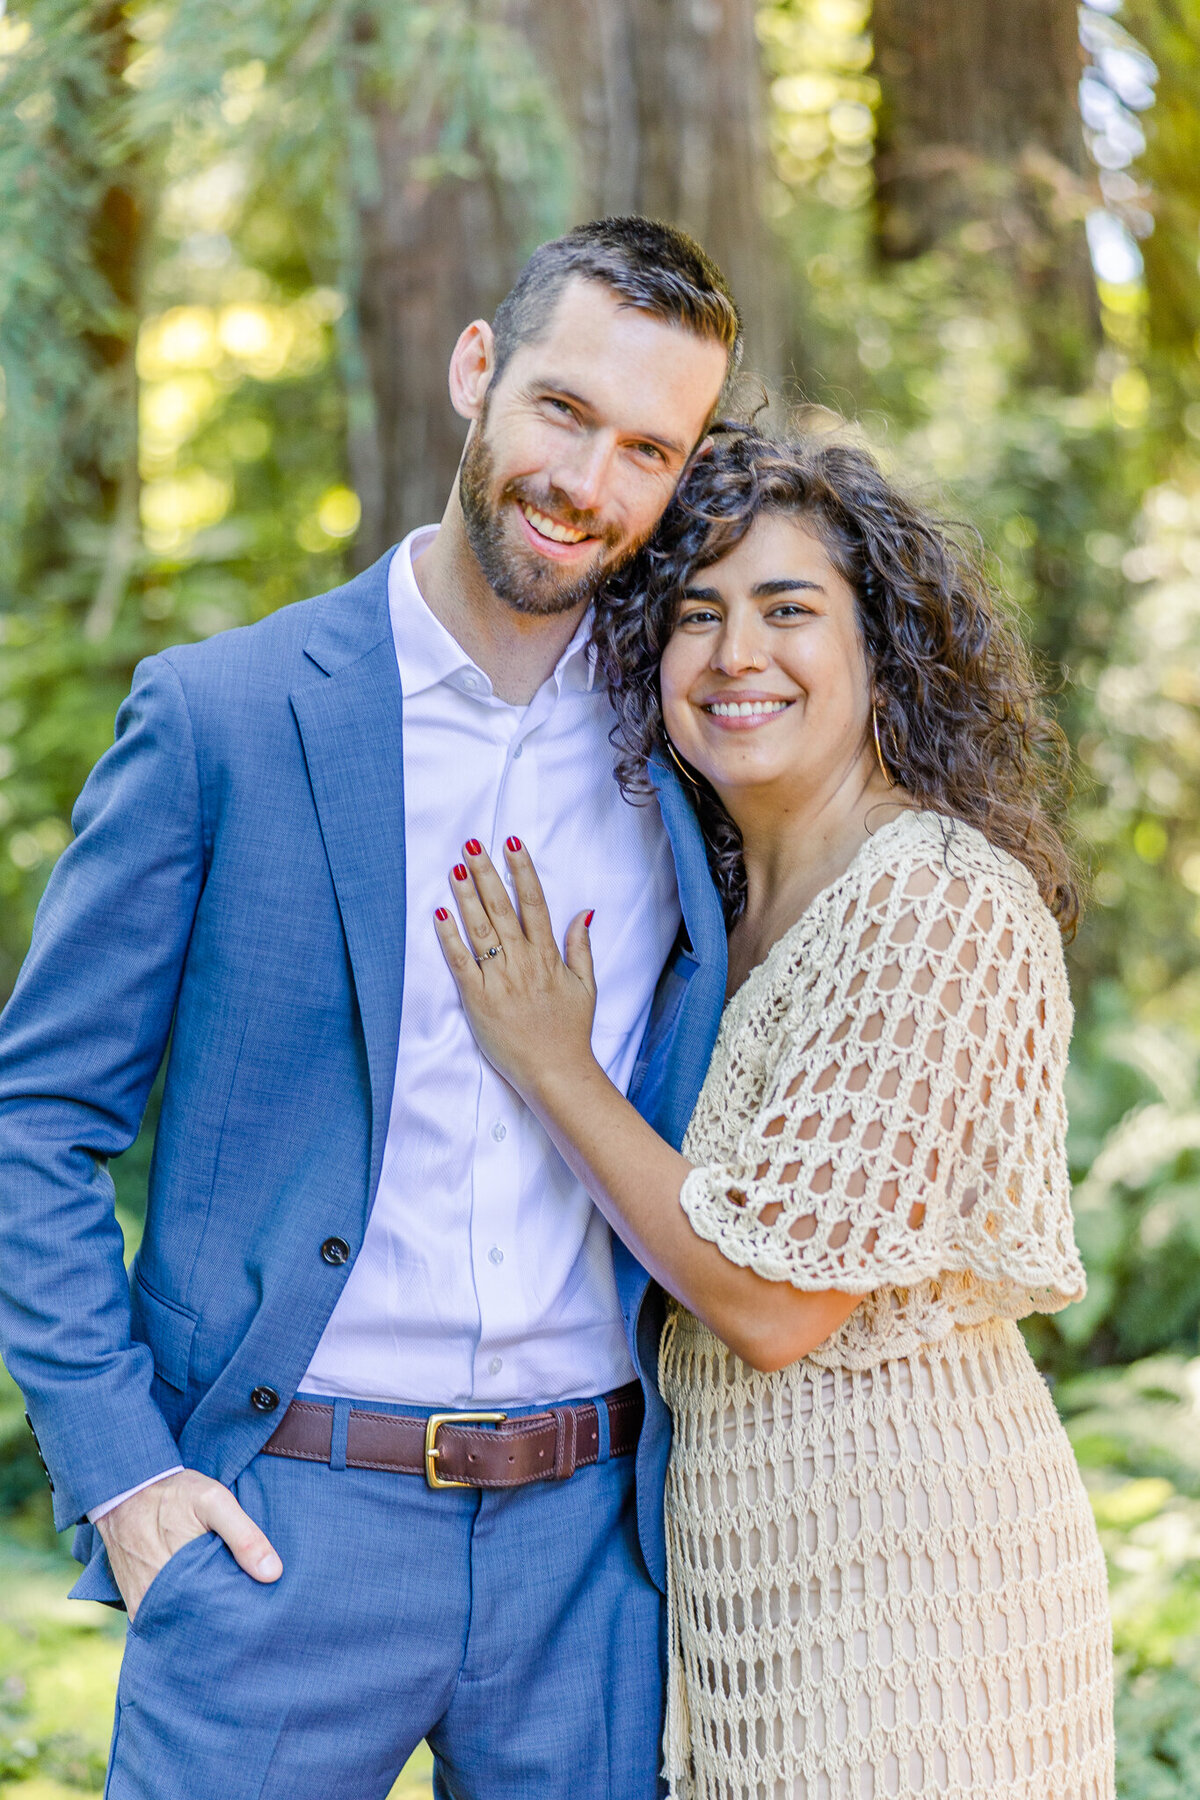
(980,123)
(665,106)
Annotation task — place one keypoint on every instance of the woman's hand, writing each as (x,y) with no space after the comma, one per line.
(530,1010)
(532,1015)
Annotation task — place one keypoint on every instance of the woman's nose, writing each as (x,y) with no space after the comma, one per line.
(738,652)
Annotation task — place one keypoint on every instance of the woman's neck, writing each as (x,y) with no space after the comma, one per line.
(795,845)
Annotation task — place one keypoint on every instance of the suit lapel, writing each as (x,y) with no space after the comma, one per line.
(688,1027)
(349,718)
(699,901)
(682,1029)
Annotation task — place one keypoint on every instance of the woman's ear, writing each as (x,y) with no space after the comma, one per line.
(472,364)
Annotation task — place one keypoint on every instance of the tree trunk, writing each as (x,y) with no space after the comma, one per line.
(663,100)
(668,104)
(435,256)
(980,124)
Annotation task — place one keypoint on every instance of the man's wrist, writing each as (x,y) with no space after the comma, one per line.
(100,1512)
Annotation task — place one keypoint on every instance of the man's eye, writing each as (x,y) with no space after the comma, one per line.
(560,406)
(651,450)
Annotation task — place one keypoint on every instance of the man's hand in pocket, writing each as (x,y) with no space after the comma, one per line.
(144,1532)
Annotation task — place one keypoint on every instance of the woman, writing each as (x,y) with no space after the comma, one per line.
(884,1574)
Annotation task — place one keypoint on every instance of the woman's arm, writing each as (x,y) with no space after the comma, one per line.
(532,1014)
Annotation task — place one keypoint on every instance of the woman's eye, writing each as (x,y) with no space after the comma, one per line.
(698,615)
(790,610)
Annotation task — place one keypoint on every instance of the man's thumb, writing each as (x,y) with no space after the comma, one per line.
(249,1546)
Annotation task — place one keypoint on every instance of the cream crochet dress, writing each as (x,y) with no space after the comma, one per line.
(884,1576)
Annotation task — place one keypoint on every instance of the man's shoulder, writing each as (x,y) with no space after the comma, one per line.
(273,652)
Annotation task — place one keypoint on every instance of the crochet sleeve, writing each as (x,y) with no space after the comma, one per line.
(913,1123)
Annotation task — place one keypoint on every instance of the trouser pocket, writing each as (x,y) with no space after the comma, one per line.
(161,1597)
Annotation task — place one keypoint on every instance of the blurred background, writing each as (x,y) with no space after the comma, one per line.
(237,242)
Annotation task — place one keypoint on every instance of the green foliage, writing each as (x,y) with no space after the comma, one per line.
(60,312)
(244,132)
(1136,1432)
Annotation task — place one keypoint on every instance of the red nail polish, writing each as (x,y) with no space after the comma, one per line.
(460,871)
(588,920)
(441,913)
(474,847)
(513,843)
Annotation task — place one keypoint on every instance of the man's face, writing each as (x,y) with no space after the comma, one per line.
(578,447)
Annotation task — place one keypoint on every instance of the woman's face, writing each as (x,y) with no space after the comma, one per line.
(765,678)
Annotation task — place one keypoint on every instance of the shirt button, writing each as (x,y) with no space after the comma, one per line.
(496,1255)
(499,1132)
(335,1251)
(471,682)
(517,749)
(495,1366)
(264,1399)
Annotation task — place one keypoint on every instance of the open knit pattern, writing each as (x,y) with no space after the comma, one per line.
(885,1579)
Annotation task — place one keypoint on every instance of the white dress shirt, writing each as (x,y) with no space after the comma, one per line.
(485,1276)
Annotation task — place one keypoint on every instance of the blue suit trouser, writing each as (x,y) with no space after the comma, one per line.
(517,1631)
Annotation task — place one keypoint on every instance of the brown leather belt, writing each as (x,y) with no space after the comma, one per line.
(451,1449)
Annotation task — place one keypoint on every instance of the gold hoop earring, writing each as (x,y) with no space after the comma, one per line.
(674,755)
(883,768)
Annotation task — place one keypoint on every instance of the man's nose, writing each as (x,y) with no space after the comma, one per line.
(583,477)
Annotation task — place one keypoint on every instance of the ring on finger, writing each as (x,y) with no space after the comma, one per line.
(485,954)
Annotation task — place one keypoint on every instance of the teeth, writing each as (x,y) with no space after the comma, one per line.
(561,534)
(747,709)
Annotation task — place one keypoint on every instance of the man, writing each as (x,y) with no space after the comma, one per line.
(353,1227)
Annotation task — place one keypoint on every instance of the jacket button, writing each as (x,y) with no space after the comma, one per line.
(264,1399)
(335,1251)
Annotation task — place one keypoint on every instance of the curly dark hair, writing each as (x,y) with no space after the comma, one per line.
(962,723)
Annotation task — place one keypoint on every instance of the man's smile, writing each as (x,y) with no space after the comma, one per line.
(548,527)
(550,536)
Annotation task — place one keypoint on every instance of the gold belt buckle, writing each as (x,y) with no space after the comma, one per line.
(432,1426)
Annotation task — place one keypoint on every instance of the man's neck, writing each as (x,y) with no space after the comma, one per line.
(517,651)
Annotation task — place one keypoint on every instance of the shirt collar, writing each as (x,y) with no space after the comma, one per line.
(427,653)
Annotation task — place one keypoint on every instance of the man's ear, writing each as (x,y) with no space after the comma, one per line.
(472,364)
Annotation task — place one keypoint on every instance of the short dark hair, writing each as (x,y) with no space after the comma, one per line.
(651,266)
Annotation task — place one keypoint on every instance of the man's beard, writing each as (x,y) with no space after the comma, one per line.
(528,583)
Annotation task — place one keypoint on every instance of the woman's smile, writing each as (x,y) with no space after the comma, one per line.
(743,711)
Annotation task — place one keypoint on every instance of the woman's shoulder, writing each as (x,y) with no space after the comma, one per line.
(928,862)
(926,892)
(927,888)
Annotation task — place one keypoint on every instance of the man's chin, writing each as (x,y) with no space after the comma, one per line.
(530,584)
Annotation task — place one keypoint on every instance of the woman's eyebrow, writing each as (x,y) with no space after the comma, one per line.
(762,590)
(783,584)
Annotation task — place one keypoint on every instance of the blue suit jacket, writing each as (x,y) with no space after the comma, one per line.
(236,889)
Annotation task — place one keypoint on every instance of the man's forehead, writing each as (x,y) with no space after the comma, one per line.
(610,355)
(587,312)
